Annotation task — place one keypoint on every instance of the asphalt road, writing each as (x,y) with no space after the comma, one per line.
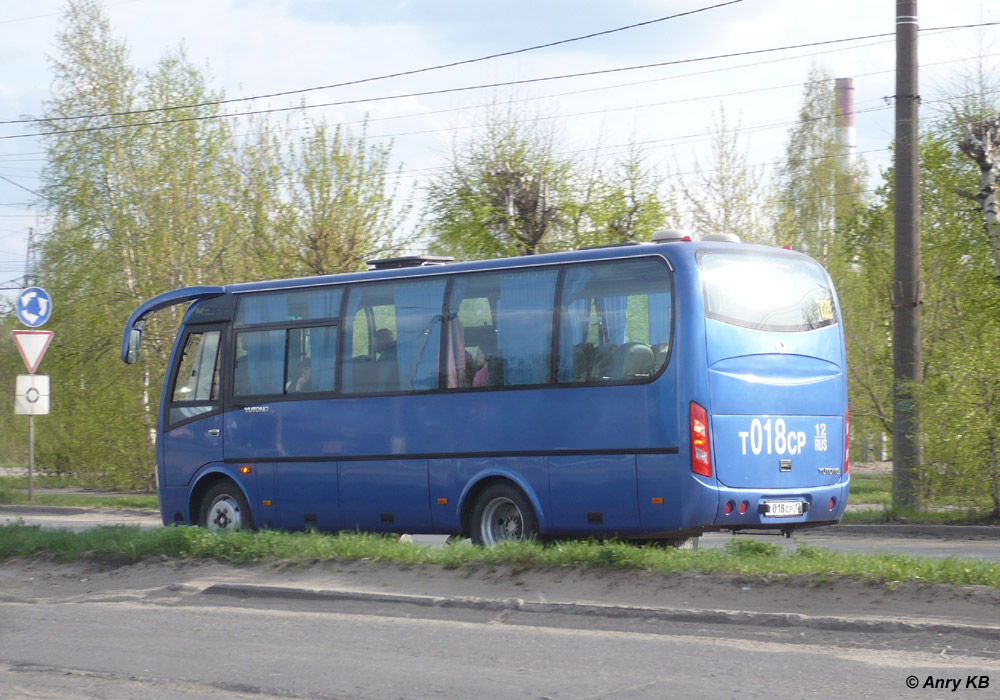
(333,631)
(164,631)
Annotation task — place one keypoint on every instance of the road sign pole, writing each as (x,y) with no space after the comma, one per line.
(31,458)
(33,309)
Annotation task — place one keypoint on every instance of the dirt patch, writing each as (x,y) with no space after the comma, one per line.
(39,579)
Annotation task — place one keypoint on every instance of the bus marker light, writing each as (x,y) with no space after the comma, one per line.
(442,501)
(245,470)
(266,504)
(658,501)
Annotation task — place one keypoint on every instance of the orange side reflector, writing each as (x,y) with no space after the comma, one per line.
(266,504)
(658,501)
(442,501)
(245,470)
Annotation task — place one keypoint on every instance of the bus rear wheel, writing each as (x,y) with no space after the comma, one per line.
(502,513)
(225,508)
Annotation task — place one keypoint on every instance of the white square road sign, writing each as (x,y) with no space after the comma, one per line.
(31,395)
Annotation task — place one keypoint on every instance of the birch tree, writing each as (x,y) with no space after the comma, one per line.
(981,142)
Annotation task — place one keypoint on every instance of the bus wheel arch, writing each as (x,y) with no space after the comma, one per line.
(218,503)
(498,509)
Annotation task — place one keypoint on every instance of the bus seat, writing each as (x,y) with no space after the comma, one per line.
(583,362)
(364,375)
(637,360)
(660,352)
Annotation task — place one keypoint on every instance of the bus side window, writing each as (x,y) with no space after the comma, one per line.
(196,387)
(614,322)
(312,362)
(260,363)
(517,350)
(394,331)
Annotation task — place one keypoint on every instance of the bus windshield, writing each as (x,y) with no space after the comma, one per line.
(768,292)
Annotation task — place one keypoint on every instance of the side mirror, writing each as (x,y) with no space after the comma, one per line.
(134,339)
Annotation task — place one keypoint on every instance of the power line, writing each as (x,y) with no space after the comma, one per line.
(457,89)
(442,91)
(7,179)
(391,75)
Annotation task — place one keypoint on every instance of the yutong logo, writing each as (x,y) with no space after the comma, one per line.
(256,409)
(830,471)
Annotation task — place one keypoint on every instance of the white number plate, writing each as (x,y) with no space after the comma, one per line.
(783,509)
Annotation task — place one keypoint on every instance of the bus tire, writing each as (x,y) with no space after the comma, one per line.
(502,513)
(224,507)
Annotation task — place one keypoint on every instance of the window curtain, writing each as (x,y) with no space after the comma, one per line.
(323,341)
(659,318)
(612,310)
(524,325)
(418,333)
(454,361)
(265,349)
(574,321)
(354,300)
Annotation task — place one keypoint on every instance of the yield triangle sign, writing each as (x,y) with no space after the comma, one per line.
(32,346)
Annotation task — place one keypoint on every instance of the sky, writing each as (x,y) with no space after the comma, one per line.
(261,47)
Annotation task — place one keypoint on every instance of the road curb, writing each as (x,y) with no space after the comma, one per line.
(700,616)
(73,510)
(46,510)
(906,530)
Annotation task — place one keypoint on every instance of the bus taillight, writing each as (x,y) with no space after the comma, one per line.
(701,456)
(847,442)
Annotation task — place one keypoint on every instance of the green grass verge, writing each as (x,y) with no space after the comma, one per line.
(746,558)
(886,515)
(62,492)
(874,489)
(81,500)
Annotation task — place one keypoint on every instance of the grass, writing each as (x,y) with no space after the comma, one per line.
(745,558)
(887,515)
(873,489)
(874,493)
(57,492)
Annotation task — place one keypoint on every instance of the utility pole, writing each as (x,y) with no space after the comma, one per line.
(907,289)
(28,258)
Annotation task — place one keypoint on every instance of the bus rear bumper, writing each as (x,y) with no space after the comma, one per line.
(778,509)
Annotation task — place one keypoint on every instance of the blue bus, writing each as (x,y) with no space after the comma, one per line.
(648,391)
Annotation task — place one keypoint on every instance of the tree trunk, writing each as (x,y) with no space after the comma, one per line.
(982,144)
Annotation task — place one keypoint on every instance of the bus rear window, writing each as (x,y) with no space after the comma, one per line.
(768,292)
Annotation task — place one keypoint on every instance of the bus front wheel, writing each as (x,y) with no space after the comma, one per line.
(502,513)
(225,508)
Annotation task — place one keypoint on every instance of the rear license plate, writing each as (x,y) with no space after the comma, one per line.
(783,509)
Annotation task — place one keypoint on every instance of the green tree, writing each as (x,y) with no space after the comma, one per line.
(818,182)
(343,209)
(961,327)
(728,196)
(619,203)
(138,209)
(504,191)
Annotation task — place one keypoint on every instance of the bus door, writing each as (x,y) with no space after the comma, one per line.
(192,422)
